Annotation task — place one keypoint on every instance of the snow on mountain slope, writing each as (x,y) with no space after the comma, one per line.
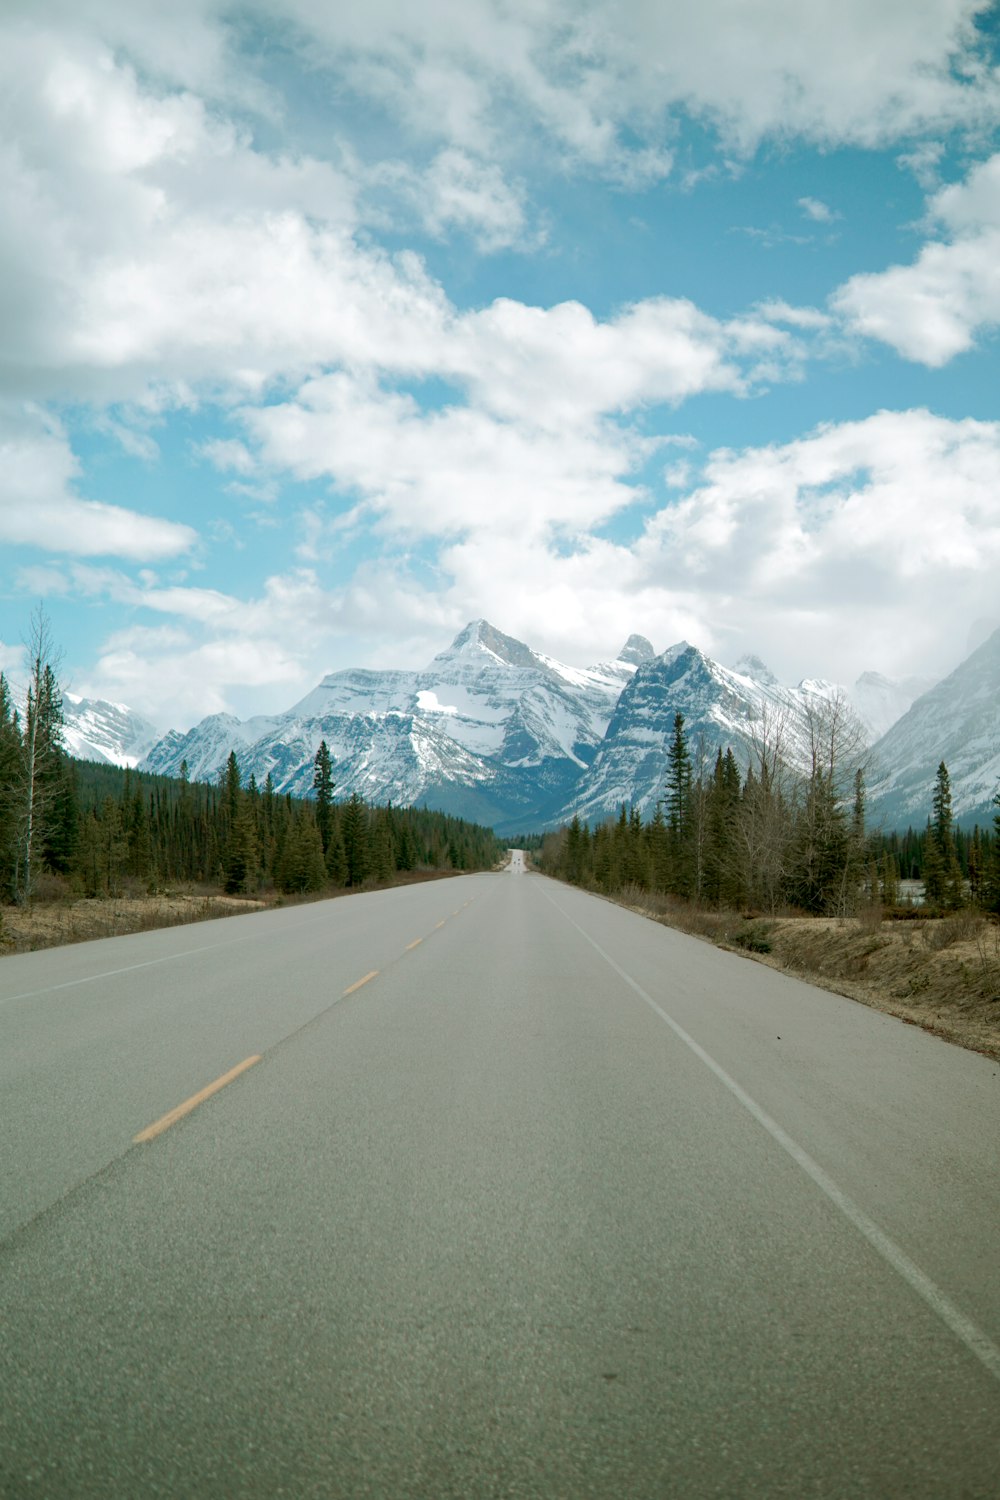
(957,721)
(489,723)
(498,732)
(880,702)
(95,729)
(722,707)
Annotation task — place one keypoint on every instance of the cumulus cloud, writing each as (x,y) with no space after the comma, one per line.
(865,543)
(933,309)
(591,74)
(39,509)
(456,191)
(213,649)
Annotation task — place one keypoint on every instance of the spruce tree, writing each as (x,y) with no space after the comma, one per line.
(678,806)
(354,828)
(323,786)
(942,875)
(38,770)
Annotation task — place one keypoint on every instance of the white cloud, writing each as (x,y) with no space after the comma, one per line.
(934,308)
(866,543)
(228,455)
(148,238)
(214,650)
(817,211)
(445,472)
(11,659)
(588,74)
(39,509)
(458,191)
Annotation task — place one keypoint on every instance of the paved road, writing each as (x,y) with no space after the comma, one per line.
(555,1203)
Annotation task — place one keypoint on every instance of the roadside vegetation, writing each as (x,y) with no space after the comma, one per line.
(782,867)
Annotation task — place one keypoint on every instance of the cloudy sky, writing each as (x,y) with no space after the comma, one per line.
(327,328)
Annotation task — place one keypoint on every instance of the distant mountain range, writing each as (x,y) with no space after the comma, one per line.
(500,733)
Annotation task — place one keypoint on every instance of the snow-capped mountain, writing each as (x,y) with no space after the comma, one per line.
(743,708)
(94,729)
(490,729)
(881,702)
(957,721)
(498,732)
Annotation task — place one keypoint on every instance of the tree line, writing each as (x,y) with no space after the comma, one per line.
(769,838)
(101,830)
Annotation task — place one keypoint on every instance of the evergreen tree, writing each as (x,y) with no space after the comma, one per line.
(382,856)
(992,884)
(678,806)
(942,875)
(38,766)
(354,828)
(323,786)
(577,849)
(336,858)
(301,868)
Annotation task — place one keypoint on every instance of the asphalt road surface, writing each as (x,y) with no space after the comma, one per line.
(511,1193)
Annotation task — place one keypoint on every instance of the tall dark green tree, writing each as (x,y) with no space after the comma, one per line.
(323,786)
(678,811)
(577,851)
(354,829)
(39,767)
(942,874)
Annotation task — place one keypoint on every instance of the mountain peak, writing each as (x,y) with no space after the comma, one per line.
(480,636)
(751,666)
(636,650)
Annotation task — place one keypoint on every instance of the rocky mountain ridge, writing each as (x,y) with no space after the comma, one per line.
(496,731)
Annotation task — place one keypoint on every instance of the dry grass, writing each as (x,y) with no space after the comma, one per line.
(62,918)
(942,974)
(50,924)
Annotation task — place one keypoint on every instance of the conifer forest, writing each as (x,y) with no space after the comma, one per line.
(98,830)
(771,840)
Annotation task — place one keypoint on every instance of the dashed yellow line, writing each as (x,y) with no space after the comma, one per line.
(437,925)
(359,982)
(415,944)
(173,1115)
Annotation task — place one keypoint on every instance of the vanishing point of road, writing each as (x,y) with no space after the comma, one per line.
(485,1188)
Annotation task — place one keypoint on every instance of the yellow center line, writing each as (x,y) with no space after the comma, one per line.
(437,925)
(415,944)
(359,982)
(173,1115)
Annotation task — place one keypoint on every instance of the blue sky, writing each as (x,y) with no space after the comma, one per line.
(326,329)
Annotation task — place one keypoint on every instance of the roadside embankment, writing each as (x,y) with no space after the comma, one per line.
(942,974)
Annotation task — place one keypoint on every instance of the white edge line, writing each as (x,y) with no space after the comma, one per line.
(974,1339)
(150,963)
